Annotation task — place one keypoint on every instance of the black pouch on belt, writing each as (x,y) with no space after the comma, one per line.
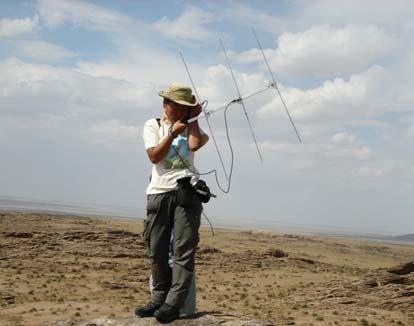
(185,192)
(202,191)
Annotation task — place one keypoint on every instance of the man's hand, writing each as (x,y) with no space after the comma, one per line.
(178,127)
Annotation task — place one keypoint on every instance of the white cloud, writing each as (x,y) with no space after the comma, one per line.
(321,152)
(61,92)
(14,27)
(305,164)
(43,51)
(113,131)
(326,50)
(366,171)
(189,26)
(411,170)
(395,13)
(410,131)
(350,152)
(248,16)
(250,56)
(362,95)
(368,123)
(286,148)
(362,153)
(218,86)
(57,12)
(343,138)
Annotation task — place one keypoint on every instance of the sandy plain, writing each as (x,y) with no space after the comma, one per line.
(57,267)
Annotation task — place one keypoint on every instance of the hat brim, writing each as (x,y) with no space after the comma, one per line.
(193,103)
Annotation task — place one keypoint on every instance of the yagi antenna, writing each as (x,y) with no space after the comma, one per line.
(240,100)
(274,84)
(206,115)
(222,107)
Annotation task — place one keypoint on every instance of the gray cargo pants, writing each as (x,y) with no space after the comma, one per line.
(164,215)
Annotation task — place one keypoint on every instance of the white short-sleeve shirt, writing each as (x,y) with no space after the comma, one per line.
(178,163)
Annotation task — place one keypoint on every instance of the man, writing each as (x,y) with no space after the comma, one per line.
(172,204)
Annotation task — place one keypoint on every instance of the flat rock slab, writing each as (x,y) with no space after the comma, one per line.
(402,269)
(206,320)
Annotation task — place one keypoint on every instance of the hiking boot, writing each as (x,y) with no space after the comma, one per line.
(148,310)
(167,313)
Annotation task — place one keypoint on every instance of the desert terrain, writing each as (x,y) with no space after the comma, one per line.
(56,267)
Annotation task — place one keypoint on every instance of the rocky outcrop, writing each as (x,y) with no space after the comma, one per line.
(382,280)
(402,269)
(7,298)
(198,320)
(77,269)
(402,274)
(17,234)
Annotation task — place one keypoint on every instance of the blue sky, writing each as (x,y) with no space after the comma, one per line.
(80,78)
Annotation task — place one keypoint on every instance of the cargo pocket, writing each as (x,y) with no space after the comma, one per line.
(194,212)
(199,211)
(153,207)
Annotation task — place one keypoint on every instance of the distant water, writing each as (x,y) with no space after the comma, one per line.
(54,207)
(16,204)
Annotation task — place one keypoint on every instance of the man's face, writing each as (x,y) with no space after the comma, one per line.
(175,111)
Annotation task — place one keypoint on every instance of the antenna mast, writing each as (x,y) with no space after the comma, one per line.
(206,115)
(274,84)
(240,100)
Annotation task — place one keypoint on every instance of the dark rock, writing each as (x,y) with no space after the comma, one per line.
(72,237)
(8,298)
(306,260)
(81,235)
(143,278)
(108,265)
(394,279)
(123,233)
(126,255)
(18,234)
(278,253)
(208,250)
(387,279)
(370,283)
(402,269)
(115,286)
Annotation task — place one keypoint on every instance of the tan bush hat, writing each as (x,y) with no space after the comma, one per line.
(179,93)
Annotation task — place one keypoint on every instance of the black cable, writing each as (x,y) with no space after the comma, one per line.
(204,104)
(226,191)
(211,225)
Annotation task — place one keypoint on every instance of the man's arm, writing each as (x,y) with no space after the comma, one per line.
(157,153)
(195,139)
